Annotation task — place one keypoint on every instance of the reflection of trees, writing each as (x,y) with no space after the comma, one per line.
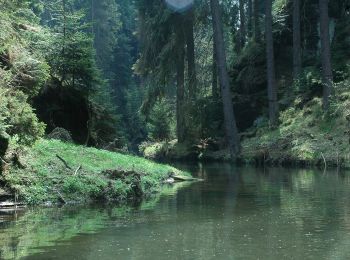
(277,212)
(245,213)
(318,206)
(43,227)
(242,213)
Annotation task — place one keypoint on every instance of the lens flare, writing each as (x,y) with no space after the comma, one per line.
(179,5)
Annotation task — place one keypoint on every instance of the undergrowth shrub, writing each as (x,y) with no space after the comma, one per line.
(17,118)
(159,124)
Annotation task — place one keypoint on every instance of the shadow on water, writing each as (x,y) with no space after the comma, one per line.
(235,213)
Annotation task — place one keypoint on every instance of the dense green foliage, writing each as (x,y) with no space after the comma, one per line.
(37,59)
(17,118)
(68,64)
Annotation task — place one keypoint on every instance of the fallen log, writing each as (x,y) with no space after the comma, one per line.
(178,178)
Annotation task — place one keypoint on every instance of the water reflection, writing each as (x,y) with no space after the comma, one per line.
(236,213)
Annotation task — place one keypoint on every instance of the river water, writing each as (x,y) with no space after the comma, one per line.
(234,213)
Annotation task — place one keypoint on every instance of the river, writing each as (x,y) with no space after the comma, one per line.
(234,213)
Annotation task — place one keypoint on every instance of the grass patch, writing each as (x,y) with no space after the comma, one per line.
(45,177)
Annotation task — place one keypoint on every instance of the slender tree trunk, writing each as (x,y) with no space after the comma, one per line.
(271,78)
(214,89)
(64,18)
(92,16)
(242,22)
(256,20)
(297,64)
(250,18)
(64,38)
(327,74)
(191,55)
(230,121)
(180,81)
(89,123)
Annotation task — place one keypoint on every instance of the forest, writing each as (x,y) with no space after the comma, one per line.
(260,82)
(174,129)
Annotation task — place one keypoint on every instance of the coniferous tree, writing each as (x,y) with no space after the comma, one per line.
(327,75)
(192,76)
(242,23)
(74,68)
(230,120)
(270,58)
(250,18)
(180,80)
(297,64)
(164,56)
(214,84)
(105,19)
(72,55)
(256,15)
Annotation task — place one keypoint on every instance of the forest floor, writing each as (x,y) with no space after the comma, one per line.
(56,172)
(305,136)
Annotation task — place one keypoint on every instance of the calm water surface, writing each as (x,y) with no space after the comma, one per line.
(235,213)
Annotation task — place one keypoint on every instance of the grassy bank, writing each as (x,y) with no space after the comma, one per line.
(53,171)
(306,135)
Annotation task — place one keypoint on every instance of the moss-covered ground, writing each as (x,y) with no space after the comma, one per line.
(53,171)
(306,135)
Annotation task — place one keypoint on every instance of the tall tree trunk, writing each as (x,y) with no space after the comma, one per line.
(191,55)
(297,66)
(242,22)
(230,120)
(214,86)
(89,123)
(64,7)
(180,81)
(327,74)
(250,18)
(64,18)
(92,17)
(256,20)
(271,78)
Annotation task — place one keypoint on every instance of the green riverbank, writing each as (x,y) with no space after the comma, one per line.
(304,136)
(56,172)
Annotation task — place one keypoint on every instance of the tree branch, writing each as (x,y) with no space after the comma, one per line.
(64,162)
